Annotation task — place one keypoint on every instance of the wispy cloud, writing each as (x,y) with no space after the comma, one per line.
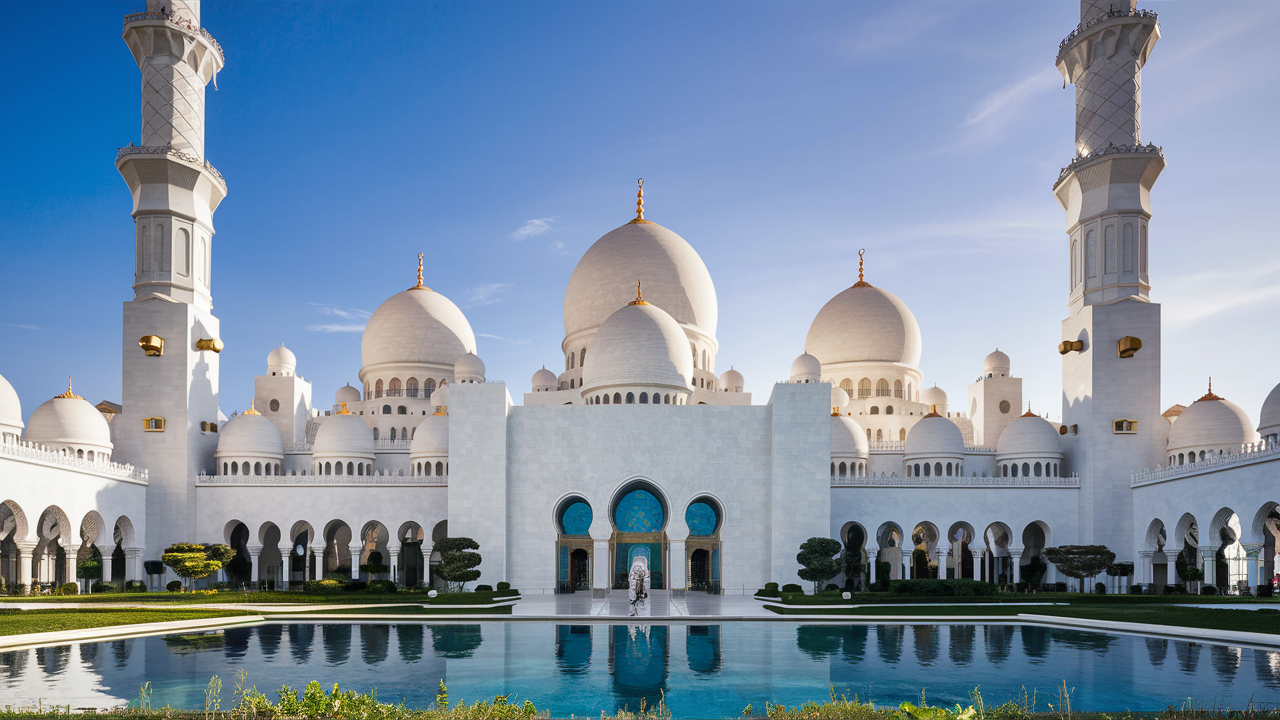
(22,326)
(532,228)
(989,117)
(557,245)
(1189,299)
(485,294)
(507,340)
(356,318)
(893,31)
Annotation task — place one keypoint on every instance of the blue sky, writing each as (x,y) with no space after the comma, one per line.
(503,139)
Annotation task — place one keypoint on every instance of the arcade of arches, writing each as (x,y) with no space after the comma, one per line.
(54,550)
(996,555)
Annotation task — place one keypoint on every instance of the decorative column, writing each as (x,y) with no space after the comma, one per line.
(1209,563)
(132,563)
(394,552)
(677,574)
(603,579)
(355,548)
(943,553)
(286,563)
(1146,567)
(1253,570)
(106,567)
(72,551)
(426,563)
(254,551)
(1015,556)
(873,561)
(317,562)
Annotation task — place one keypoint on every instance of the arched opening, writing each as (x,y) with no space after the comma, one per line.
(239,569)
(374,560)
(1230,571)
(889,554)
(1034,568)
(703,517)
(1187,539)
(1157,536)
(301,566)
(864,388)
(639,516)
(574,545)
(337,548)
(853,556)
(997,565)
(924,558)
(409,568)
(960,556)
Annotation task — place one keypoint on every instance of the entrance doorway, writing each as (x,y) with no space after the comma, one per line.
(580,570)
(699,569)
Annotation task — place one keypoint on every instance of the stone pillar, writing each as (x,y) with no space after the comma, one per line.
(426,564)
(132,563)
(254,551)
(943,553)
(286,562)
(873,561)
(677,574)
(602,578)
(106,567)
(394,552)
(355,548)
(1015,558)
(1209,563)
(317,562)
(72,552)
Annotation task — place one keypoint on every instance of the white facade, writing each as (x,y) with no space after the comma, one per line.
(564,491)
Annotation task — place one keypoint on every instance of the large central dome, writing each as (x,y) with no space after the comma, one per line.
(864,324)
(674,277)
(417,326)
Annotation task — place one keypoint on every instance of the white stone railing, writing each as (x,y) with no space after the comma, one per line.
(311,480)
(887,446)
(175,152)
(1110,15)
(175,20)
(1249,453)
(34,451)
(979,450)
(389,444)
(1071,481)
(297,447)
(1108,150)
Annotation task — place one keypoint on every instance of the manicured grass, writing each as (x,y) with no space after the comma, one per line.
(415,610)
(17,622)
(332,598)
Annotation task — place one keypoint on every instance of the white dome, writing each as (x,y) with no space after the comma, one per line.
(639,344)
(431,437)
(997,363)
(249,435)
(441,397)
(343,435)
(674,277)
(848,437)
(1268,423)
(1029,435)
(933,396)
(1211,423)
(934,436)
(416,327)
(864,324)
(732,381)
(346,394)
(468,368)
(282,360)
(68,420)
(839,398)
(544,380)
(806,368)
(10,406)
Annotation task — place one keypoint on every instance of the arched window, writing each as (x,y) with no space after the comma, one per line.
(1037,469)
(245,467)
(328,469)
(875,410)
(902,435)
(917,469)
(1004,471)
(928,470)
(377,389)
(868,434)
(360,469)
(582,358)
(847,386)
(948,469)
(350,468)
(404,433)
(375,433)
(337,468)
(631,398)
(1026,470)
(882,388)
(1015,469)
(1091,253)
(879,435)
(1075,264)
(606,398)
(864,388)
(235,468)
(573,361)
(257,468)
(1142,250)
(1127,248)
(644,398)
(1109,249)
(393,434)
(393,388)
(440,468)
(224,468)
(897,389)
(401,410)
(937,469)
(572,383)
(411,387)
(617,399)
(908,470)
(888,410)
(843,469)
(666,399)
(386,409)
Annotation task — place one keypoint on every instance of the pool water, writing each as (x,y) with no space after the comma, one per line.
(703,670)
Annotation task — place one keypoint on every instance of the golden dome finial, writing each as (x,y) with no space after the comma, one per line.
(420,286)
(344,410)
(639,297)
(1028,413)
(252,410)
(69,395)
(1209,395)
(861,282)
(640,205)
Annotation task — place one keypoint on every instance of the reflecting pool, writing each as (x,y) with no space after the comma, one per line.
(704,670)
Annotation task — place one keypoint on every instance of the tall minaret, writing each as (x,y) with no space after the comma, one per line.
(1111,337)
(171,338)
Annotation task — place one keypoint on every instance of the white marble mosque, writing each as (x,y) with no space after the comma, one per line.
(641,445)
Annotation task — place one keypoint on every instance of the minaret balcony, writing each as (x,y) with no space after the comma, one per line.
(177,22)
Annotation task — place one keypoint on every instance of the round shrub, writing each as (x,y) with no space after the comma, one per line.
(831,587)
(381,586)
(792,588)
(504,586)
(69,589)
(135,586)
(327,585)
(484,588)
(771,586)
(103,587)
(1100,588)
(173,585)
(1135,589)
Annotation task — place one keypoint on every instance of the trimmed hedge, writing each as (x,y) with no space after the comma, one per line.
(944,588)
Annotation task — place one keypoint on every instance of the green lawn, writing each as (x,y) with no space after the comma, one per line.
(17,622)
(414,610)
(333,598)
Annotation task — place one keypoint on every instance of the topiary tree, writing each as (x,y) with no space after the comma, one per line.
(1080,561)
(1035,570)
(458,562)
(817,556)
(192,561)
(1186,568)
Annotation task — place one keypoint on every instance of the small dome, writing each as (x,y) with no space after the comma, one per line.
(440,397)
(343,434)
(674,276)
(933,396)
(431,437)
(416,327)
(544,380)
(468,368)
(249,435)
(997,363)
(848,437)
(1269,423)
(933,436)
(1211,423)
(282,361)
(1029,435)
(346,394)
(865,324)
(10,407)
(839,398)
(732,381)
(639,344)
(806,368)
(68,420)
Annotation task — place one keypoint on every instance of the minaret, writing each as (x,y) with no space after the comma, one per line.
(1111,337)
(171,338)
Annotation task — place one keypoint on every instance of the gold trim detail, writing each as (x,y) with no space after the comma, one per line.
(861,282)
(68,395)
(252,410)
(152,345)
(420,286)
(1128,346)
(640,206)
(153,424)
(933,411)
(1207,396)
(639,297)
(1028,413)
(344,410)
(213,344)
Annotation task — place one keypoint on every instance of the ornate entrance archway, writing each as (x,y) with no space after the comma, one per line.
(573,544)
(639,515)
(703,518)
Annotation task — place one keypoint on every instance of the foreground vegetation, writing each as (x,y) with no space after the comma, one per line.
(328,597)
(19,622)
